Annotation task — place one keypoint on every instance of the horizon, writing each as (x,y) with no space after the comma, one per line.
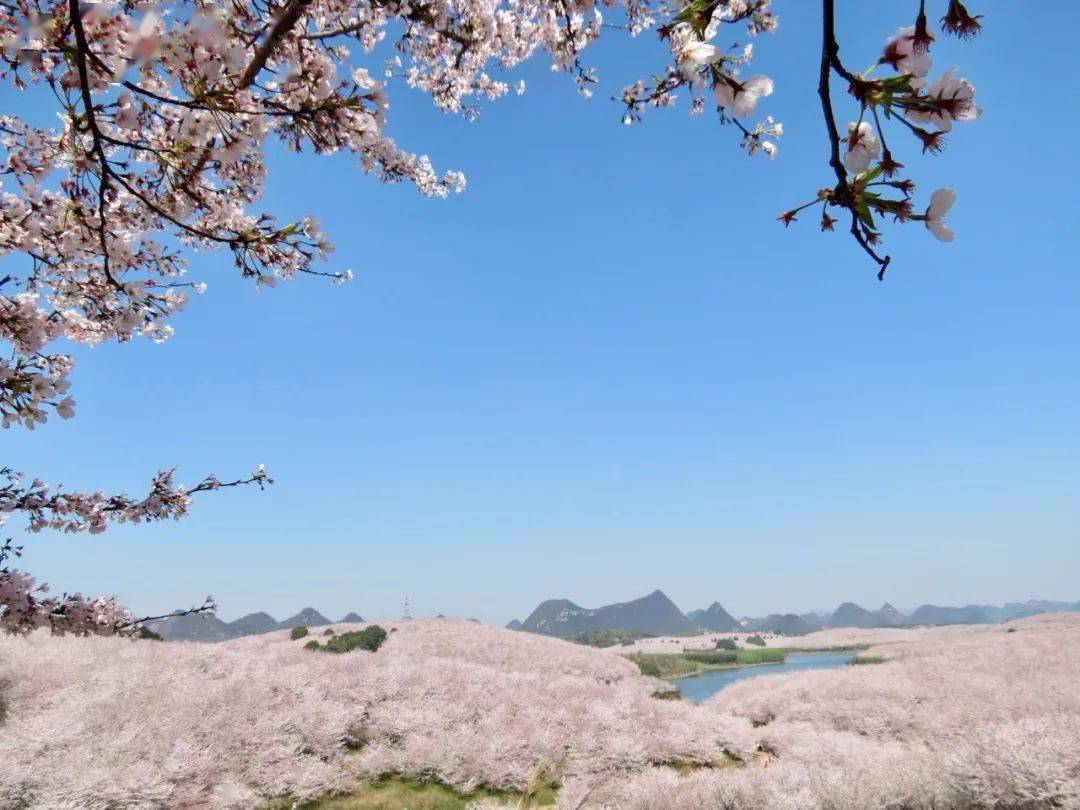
(822,612)
(607,365)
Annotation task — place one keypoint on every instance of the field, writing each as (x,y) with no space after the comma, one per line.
(952,717)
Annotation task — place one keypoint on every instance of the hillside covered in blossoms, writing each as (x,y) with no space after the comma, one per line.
(951,717)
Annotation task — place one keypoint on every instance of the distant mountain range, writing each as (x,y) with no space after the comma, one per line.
(657,615)
(654,614)
(204,627)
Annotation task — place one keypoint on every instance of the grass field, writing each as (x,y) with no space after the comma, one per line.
(408,794)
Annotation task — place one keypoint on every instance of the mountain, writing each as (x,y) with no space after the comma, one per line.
(654,615)
(192,627)
(934,614)
(889,616)
(1018,610)
(851,615)
(253,624)
(714,618)
(787,624)
(308,617)
(351,617)
(513,624)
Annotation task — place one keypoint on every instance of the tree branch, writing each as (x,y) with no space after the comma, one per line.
(282,26)
(830,60)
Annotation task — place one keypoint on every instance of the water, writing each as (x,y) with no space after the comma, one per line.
(699,687)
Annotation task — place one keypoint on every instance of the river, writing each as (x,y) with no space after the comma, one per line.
(699,687)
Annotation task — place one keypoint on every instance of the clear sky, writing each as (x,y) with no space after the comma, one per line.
(605,368)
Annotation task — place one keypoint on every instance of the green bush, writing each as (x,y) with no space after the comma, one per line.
(148,634)
(606,637)
(370,638)
(726,644)
(711,656)
(760,656)
(757,641)
(328,631)
(863,660)
(312,645)
(662,665)
(298,632)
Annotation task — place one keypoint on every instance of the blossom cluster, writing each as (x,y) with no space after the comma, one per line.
(868,181)
(93,511)
(23,606)
(698,64)
(954,717)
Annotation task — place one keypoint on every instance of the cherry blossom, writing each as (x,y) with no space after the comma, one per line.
(948,99)
(902,55)
(940,203)
(741,98)
(862,147)
(955,717)
(876,189)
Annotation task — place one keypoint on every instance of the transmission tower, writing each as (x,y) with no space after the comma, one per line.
(407,608)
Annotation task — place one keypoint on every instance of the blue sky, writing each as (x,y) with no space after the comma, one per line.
(605,368)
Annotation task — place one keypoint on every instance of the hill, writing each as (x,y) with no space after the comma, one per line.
(714,618)
(653,615)
(192,627)
(308,617)
(934,614)
(888,616)
(204,627)
(851,615)
(351,617)
(252,624)
(786,624)
(513,624)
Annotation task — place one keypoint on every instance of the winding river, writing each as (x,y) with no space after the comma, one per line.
(699,687)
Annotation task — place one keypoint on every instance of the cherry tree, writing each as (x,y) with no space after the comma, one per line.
(163,111)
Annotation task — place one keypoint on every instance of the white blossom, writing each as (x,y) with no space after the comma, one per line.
(940,203)
(863,147)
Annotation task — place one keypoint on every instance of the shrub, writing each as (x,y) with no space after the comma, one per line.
(148,634)
(328,631)
(756,640)
(606,637)
(664,665)
(298,632)
(370,638)
(711,656)
(865,659)
(726,644)
(312,645)
(760,656)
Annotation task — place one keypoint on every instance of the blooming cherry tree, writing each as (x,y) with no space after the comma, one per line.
(163,114)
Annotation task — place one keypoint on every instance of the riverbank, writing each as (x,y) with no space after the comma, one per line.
(689,663)
(704,685)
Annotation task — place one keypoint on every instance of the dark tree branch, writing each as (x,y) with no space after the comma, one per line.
(830,60)
(291,13)
(209,607)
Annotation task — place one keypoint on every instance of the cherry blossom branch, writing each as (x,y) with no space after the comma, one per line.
(83,511)
(208,607)
(284,23)
(842,195)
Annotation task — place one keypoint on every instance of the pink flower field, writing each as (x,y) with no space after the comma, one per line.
(954,717)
